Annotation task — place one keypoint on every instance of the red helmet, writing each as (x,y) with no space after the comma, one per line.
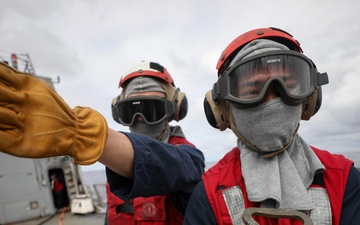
(272,33)
(145,68)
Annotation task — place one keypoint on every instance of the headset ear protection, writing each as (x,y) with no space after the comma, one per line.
(311,104)
(181,103)
(215,112)
(114,110)
(179,98)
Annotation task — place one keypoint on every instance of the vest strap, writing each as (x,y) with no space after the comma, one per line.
(126,207)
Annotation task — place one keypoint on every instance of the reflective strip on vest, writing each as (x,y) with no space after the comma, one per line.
(322,212)
(234,200)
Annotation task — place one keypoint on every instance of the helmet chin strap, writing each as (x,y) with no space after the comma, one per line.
(254,148)
(164,132)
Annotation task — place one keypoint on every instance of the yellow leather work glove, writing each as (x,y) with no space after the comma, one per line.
(35,122)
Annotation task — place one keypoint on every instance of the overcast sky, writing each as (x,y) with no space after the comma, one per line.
(90,43)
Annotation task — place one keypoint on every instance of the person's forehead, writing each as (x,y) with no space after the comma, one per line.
(148,93)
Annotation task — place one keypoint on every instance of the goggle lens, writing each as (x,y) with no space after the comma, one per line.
(247,82)
(153,110)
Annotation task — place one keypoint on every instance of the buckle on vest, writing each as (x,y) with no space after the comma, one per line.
(274,213)
(126,207)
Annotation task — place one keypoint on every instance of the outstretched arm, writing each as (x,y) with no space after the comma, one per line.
(159,168)
(35,122)
(118,154)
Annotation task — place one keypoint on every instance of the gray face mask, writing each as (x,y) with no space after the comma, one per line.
(268,126)
(153,131)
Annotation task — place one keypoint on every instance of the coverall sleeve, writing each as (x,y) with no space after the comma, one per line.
(160,168)
(350,213)
(199,210)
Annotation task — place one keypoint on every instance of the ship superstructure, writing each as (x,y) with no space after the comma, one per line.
(25,190)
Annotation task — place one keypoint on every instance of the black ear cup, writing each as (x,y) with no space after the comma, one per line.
(183,108)
(312,104)
(209,114)
(181,105)
(214,113)
(114,110)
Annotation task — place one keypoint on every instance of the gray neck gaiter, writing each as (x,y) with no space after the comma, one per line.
(268,126)
(282,180)
(153,131)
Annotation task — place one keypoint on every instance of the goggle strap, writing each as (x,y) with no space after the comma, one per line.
(163,133)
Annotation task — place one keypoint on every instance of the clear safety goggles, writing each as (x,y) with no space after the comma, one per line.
(153,110)
(247,82)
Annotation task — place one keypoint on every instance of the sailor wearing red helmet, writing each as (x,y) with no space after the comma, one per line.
(265,87)
(148,102)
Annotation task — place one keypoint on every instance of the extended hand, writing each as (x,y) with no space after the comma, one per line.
(35,122)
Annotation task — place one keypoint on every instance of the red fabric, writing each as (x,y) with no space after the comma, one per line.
(335,178)
(227,173)
(58,186)
(157,210)
(112,203)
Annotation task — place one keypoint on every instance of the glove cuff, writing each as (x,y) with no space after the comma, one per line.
(92,133)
